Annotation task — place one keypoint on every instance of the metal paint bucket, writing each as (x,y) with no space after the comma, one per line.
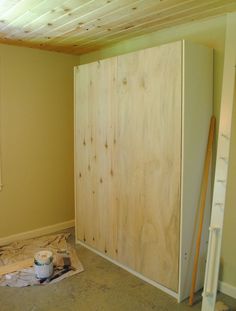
(43,264)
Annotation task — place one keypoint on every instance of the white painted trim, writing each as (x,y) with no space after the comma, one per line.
(157,285)
(182,170)
(75,150)
(1,169)
(221,170)
(197,63)
(37,232)
(227,289)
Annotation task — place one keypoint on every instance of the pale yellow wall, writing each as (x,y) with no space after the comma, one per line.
(36,95)
(212,34)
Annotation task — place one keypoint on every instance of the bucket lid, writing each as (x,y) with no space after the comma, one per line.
(43,257)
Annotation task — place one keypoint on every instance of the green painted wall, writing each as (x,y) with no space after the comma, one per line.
(211,33)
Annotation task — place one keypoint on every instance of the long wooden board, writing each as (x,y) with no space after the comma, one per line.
(16,266)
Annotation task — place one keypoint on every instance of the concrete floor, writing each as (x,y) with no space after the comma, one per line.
(101,287)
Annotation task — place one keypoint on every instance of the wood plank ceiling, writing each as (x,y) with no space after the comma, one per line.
(80,26)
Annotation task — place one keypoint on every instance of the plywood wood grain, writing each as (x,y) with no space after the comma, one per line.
(148,157)
(128,159)
(96,101)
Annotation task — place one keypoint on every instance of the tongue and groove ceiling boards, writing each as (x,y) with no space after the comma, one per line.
(81,26)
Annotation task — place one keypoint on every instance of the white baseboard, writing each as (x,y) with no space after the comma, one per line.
(159,286)
(227,289)
(37,232)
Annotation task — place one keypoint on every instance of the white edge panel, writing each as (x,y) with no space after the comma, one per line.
(221,171)
(197,103)
(76,69)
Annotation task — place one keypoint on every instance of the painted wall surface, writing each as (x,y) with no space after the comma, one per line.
(36,96)
(228,270)
(210,33)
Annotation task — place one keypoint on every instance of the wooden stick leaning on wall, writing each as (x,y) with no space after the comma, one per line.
(203,195)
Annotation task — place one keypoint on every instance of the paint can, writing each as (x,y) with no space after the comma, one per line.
(43,264)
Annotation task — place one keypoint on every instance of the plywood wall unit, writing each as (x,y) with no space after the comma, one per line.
(149,117)
(95,132)
(128,154)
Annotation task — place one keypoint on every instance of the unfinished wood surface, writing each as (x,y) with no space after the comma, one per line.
(202,205)
(16,266)
(148,160)
(95,104)
(128,154)
(77,27)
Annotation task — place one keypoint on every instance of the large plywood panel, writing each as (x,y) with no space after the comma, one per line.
(128,154)
(95,98)
(148,159)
